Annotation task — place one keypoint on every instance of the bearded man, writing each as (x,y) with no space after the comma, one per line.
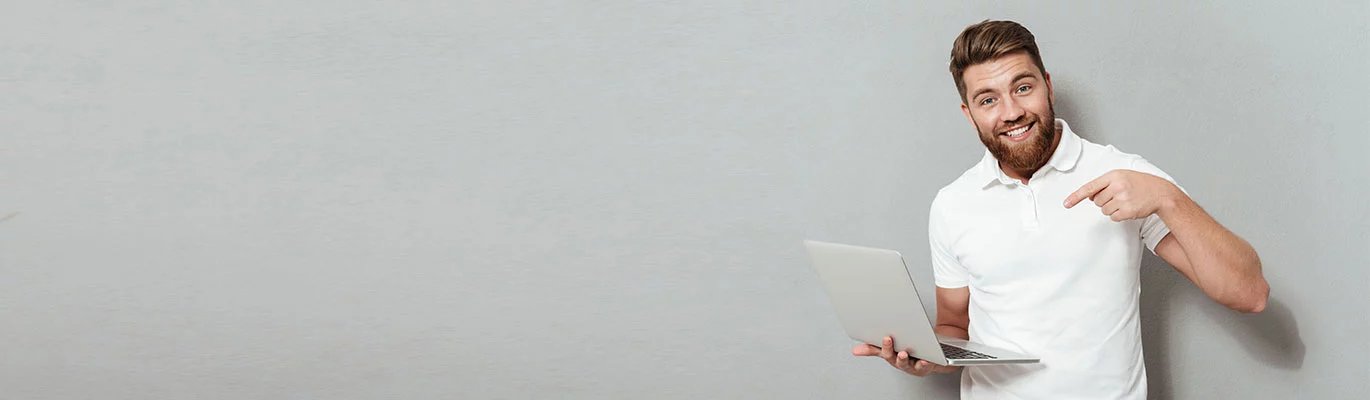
(1037,248)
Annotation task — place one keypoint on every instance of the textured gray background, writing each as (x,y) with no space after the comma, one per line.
(507,199)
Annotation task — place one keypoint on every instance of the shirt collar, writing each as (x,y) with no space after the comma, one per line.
(1066,156)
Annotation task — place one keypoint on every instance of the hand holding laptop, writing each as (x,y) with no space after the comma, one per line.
(875,300)
(901,361)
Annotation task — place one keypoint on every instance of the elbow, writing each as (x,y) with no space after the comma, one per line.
(1255,299)
(1256,294)
(1254,307)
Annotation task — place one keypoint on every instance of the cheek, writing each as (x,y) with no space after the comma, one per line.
(986,120)
(1040,105)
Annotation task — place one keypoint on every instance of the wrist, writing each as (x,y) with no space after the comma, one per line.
(1173,200)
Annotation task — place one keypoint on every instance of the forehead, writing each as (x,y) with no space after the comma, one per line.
(999,72)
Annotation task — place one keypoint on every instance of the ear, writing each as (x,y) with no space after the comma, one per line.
(1051,92)
(966,110)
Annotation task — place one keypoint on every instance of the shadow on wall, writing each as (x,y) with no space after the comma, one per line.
(940,386)
(935,386)
(1272,337)
(1067,107)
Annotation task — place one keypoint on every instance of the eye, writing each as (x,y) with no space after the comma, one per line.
(987,101)
(1024,88)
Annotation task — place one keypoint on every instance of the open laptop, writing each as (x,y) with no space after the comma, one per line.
(875,297)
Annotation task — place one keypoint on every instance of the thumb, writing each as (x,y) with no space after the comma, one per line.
(865,350)
(923,367)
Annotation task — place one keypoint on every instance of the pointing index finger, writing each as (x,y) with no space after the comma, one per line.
(1086,191)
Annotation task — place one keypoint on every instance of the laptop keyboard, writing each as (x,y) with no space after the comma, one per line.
(958,353)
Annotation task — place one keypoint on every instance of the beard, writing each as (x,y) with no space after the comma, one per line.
(1026,156)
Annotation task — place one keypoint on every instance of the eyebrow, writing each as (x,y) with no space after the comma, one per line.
(1017,78)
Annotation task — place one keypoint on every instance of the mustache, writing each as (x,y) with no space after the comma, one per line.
(1010,125)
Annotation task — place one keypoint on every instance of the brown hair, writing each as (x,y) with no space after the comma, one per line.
(986,41)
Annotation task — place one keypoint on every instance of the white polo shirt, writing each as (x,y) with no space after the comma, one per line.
(1060,284)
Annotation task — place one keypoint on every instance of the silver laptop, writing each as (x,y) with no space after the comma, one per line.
(875,297)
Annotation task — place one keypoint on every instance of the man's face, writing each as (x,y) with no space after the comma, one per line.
(1009,102)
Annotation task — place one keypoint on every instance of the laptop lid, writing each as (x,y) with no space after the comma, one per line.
(874,297)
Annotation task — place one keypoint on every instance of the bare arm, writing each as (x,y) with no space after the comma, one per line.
(1215,259)
(953,312)
(1218,261)
(953,317)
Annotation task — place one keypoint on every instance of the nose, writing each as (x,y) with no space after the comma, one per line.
(1011,110)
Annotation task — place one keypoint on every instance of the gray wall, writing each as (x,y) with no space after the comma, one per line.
(426,199)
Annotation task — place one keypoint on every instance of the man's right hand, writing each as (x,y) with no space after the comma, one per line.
(901,361)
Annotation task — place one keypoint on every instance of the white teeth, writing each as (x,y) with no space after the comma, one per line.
(1017,132)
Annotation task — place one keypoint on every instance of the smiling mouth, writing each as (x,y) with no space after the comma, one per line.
(1018,132)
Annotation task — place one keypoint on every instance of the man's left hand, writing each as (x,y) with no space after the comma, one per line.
(1126,194)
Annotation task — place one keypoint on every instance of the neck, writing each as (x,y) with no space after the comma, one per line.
(1022,175)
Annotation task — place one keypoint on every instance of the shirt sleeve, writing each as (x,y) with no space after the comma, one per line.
(1153,229)
(946,269)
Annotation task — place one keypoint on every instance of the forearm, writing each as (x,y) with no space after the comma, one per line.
(952,331)
(1223,265)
